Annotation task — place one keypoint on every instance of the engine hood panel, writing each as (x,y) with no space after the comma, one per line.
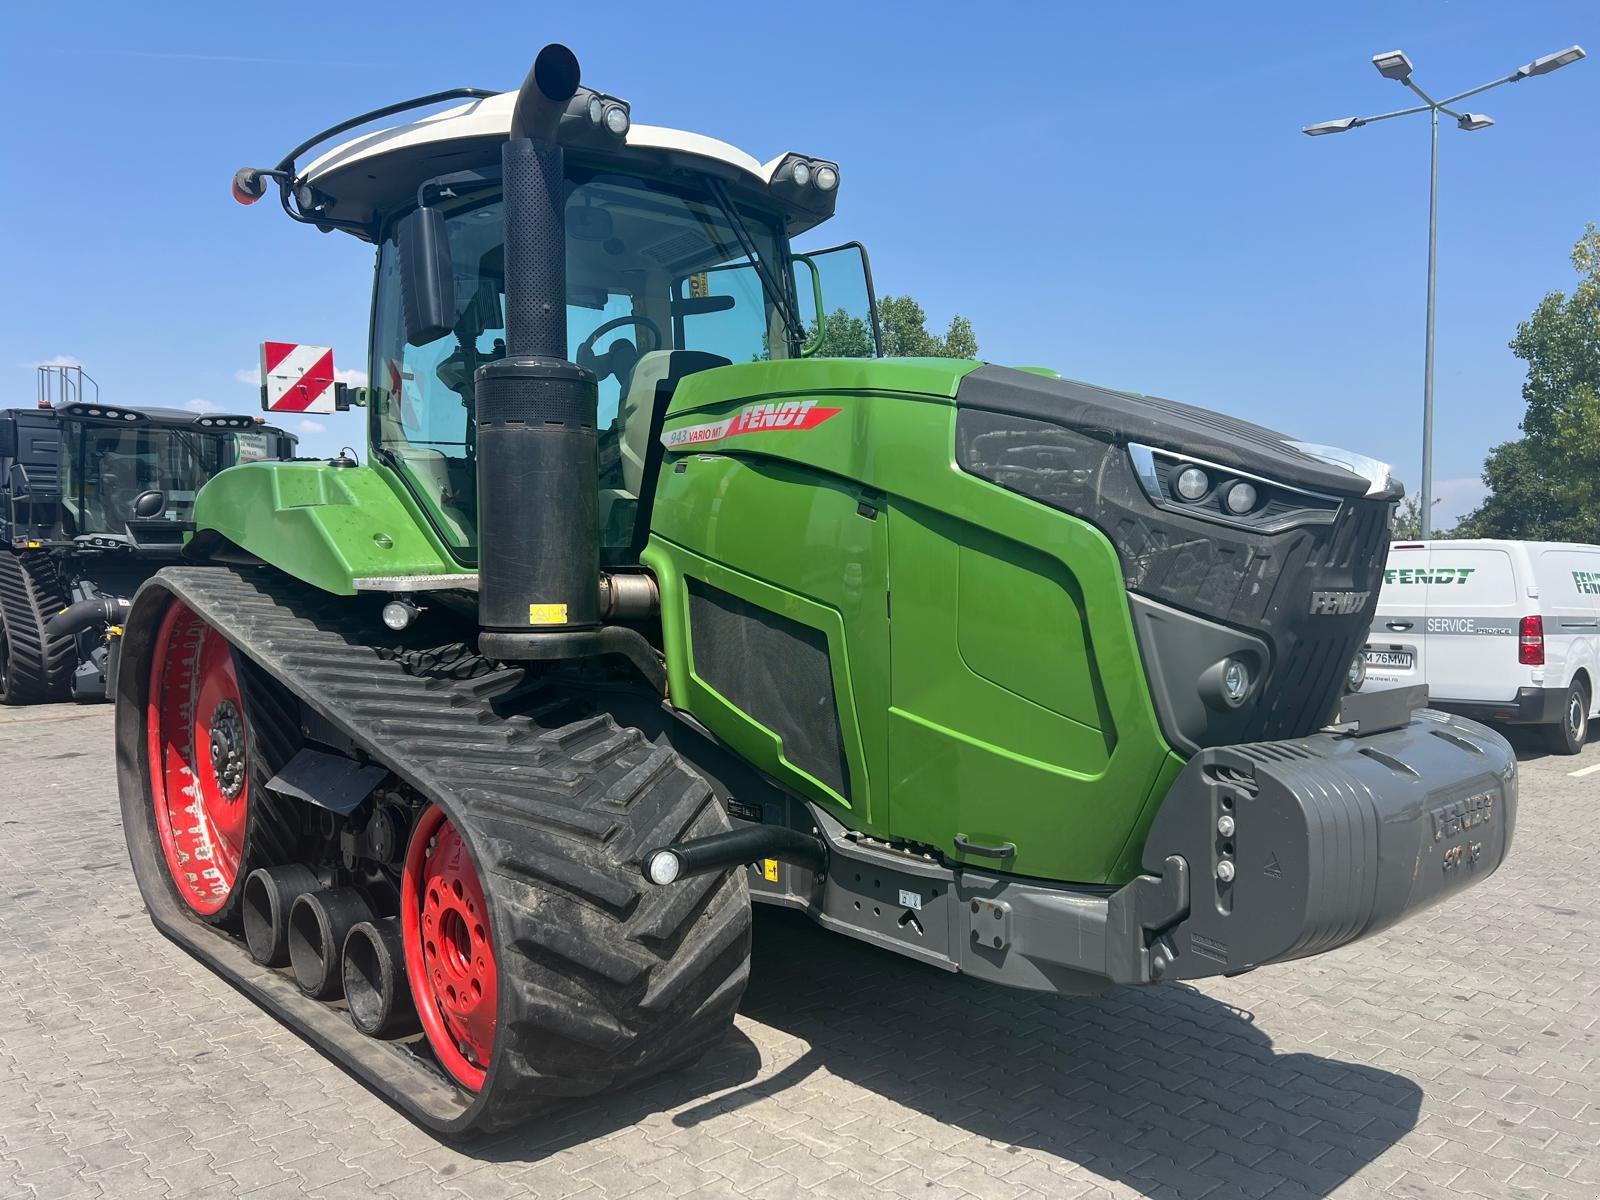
(1124,417)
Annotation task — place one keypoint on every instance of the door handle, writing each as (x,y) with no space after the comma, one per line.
(979,850)
(1398,626)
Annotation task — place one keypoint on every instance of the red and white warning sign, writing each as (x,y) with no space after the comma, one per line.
(296,378)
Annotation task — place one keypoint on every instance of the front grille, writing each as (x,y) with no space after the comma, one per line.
(1315,652)
(1263,583)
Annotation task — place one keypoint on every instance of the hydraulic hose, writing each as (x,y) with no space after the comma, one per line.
(75,618)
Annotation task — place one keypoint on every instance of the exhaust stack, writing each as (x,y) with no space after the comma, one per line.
(537,443)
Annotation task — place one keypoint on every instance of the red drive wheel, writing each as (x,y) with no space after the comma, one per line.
(199,759)
(449,952)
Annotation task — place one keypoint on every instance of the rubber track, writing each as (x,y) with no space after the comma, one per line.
(604,978)
(30,594)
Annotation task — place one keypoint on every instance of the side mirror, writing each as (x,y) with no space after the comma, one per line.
(147,506)
(427,276)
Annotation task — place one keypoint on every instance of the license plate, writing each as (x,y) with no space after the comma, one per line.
(1400,660)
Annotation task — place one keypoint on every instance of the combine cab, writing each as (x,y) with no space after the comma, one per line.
(94,498)
(643,610)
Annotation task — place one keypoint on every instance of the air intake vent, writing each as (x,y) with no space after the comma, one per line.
(776,671)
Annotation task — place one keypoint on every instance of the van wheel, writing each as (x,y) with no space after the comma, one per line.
(1569,734)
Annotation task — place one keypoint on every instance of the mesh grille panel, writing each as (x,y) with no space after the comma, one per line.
(774,670)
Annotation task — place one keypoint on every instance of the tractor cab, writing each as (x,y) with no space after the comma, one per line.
(678,260)
(93,476)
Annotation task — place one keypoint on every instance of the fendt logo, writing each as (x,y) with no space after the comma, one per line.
(1405,575)
(1337,604)
(752,418)
(1587,582)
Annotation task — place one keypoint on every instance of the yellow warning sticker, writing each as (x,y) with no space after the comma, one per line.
(769,870)
(547,614)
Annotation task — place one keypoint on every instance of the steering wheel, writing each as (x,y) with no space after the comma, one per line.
(621,356)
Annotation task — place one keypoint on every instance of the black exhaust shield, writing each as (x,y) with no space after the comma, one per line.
(1299,847)
(538,447)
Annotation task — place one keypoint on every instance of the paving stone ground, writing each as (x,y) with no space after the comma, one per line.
(1457,1056)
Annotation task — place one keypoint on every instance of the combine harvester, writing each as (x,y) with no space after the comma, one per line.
(641,611)
(94,499)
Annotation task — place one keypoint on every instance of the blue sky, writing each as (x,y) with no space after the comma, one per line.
(1117,191)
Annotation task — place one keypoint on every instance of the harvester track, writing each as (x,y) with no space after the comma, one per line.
(603,979)
(39,668)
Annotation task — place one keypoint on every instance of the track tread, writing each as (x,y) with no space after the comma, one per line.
(610,978)
(31,592)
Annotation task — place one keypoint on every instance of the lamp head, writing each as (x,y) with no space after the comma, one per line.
(1393,64)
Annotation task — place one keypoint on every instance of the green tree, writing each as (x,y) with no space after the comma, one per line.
(904,324)
(1546,484)
(1407,525)
(843,336)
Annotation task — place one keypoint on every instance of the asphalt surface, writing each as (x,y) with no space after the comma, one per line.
(1459,1055)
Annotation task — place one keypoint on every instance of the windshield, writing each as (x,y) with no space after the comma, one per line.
(106,468)
(652,268)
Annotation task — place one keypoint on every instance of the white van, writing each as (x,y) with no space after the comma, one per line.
(1499,631)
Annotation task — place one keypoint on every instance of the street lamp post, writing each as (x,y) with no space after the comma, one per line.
(1395,65)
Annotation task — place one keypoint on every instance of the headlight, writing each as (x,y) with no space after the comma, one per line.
(1210,491)
(801,174)
(617,119)
(827,178)
(1358,672)
(1192,483)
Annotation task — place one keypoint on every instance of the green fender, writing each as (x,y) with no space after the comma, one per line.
(325,525)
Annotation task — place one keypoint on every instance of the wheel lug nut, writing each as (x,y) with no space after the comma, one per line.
(1225,871)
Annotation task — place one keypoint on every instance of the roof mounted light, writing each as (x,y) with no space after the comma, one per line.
(811,182)
(249,184)
(594,119)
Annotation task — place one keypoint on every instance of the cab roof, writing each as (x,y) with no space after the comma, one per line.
(466,136)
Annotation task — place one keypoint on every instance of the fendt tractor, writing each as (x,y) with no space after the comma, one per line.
(469,762)
(94,499)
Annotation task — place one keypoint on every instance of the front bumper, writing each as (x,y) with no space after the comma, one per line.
(1333,837)
(1530,706)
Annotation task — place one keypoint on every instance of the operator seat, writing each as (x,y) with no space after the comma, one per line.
(643,408)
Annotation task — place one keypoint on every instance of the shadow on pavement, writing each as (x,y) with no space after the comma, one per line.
(1163,1089)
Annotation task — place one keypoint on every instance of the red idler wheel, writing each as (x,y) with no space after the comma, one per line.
(449,952)
(199,759)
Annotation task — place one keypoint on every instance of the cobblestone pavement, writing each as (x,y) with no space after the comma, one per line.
(1459,1056)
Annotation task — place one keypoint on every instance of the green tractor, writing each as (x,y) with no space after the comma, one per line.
(468,763)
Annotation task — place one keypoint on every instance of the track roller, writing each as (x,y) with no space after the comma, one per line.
(319,923)
(375,983)
(269,893)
